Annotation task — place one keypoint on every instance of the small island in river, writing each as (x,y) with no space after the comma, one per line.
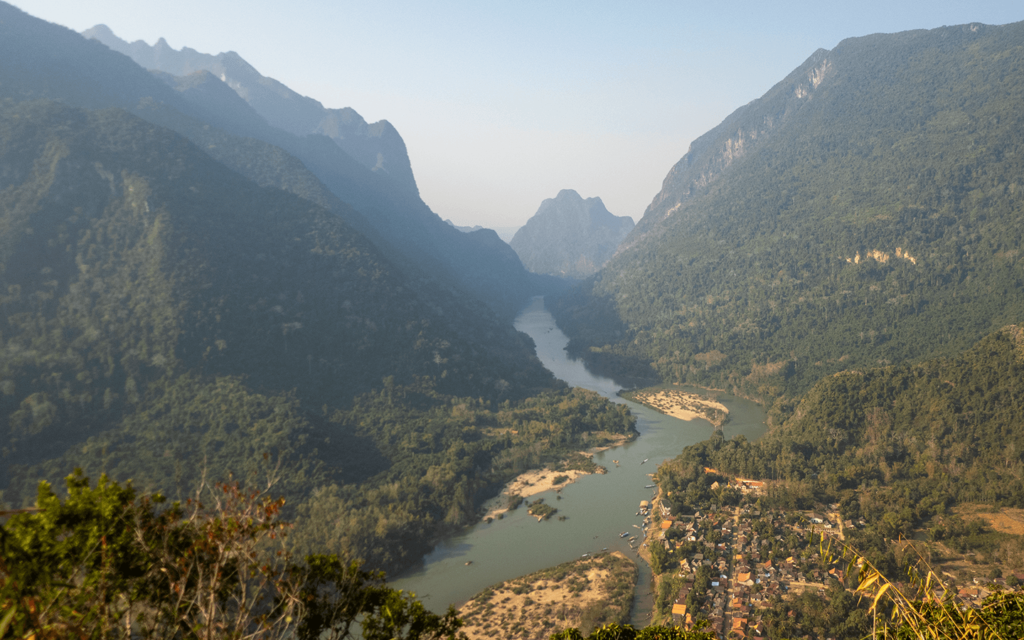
(563,473)
(680,404)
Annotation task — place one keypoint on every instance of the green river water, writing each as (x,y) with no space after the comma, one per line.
(598,507)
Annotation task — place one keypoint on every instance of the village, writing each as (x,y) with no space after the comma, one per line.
(736,566)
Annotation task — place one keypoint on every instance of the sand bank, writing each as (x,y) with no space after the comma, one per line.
(594,589)
(683,405)
(529,484)
(540,480)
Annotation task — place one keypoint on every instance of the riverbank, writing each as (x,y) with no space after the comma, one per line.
(680,404)
(644,552)
(584,593)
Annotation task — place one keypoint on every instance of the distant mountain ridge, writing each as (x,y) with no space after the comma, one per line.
(570,237)
(865,211)
(39,60)
(377,146)
(505,233)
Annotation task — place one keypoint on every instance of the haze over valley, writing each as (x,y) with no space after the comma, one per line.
(230,319)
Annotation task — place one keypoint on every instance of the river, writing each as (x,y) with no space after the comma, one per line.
(597,507)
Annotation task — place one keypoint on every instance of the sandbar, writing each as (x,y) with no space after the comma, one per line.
(683,405)
(593,590)
(536,481)
(529,484)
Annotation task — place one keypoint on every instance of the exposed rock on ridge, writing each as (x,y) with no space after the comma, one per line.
(711,155)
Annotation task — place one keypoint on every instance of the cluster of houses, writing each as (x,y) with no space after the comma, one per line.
(975,593)
(747,569)
(755,559)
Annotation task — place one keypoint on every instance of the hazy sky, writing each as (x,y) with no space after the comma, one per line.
(502,104)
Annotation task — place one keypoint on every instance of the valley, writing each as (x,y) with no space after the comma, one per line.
(786,403)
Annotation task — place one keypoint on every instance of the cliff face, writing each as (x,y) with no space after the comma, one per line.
(745,130)
(570,237)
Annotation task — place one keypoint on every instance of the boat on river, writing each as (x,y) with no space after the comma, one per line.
(623,534)
(645,460)
(650,486)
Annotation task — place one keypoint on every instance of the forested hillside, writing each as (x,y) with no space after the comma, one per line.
(237,297)
(897,445)
(162,316)
(867,210)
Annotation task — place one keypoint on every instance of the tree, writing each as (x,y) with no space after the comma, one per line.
(106,562)
(627,632)
(659,557)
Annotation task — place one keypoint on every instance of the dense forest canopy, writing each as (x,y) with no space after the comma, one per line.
(898,446)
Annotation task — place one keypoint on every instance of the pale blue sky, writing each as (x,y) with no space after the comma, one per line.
(502,104)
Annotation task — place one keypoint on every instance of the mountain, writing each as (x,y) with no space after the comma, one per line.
(377,146)
(164,319)
(505,233)
(867,210)
(132,254)
(475,227)
(180,302)
(55,63)
(570,237)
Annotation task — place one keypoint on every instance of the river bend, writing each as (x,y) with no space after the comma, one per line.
(597,507)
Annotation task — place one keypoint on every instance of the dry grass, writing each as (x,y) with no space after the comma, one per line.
(1002,520)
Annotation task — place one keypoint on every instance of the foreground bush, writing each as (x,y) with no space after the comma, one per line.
(106,562)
